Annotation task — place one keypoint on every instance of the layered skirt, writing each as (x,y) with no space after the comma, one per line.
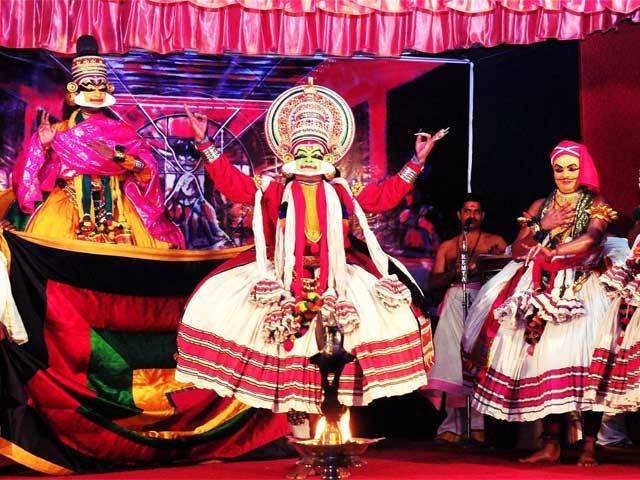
(614,375)
(524,380)
(57,217)
(223,345)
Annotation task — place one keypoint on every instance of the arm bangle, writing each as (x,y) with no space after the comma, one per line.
(408,174)
(211,153)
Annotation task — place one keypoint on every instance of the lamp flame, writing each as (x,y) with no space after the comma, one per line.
(345,431)
(320,428)
(332,433)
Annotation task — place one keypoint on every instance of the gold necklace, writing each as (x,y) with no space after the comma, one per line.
(568,198)
(309,182)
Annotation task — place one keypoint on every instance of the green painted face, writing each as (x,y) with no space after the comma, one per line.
(309,158)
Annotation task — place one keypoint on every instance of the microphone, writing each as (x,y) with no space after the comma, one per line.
(636,214)
(464,256)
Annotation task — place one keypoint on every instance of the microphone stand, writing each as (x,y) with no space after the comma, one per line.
(464,280)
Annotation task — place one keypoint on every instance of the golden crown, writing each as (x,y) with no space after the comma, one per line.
(88,66)
(309,114)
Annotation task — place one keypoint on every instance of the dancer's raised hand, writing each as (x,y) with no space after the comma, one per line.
(425,143)
(199,123)
(46,132)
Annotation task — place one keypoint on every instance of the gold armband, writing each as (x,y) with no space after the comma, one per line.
(602,211)
(211,153)
(357,188)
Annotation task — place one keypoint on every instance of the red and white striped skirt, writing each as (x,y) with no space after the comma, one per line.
(222,346)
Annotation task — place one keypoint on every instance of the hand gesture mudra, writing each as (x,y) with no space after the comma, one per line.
(425,143)
(199,123)
(558,217)
(46,132)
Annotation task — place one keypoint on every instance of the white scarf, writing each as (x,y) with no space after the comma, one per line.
(9,315)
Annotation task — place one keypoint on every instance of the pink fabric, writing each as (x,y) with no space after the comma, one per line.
(303,27)
(588,173)
(366,7)
(71,156)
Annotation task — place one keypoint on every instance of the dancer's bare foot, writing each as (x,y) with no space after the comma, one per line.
(588,455)
(550,452)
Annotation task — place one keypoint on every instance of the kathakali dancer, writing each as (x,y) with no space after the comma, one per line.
(249,330)
(91,177)
(531,331)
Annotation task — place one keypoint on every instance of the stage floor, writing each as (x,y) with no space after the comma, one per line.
(399,460)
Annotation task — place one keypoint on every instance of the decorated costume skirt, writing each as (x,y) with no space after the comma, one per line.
(58,217)
(524,380)
(614,376)
(223,345)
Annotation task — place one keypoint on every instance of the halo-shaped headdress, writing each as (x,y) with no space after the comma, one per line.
(309,113)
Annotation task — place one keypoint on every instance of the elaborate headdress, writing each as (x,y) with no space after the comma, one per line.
(88,68)
(588,176)
(309,114)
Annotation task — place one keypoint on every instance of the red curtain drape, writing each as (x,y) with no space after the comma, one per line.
(303,27)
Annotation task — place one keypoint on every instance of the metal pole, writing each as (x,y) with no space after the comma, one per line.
(464,280)
(470,148)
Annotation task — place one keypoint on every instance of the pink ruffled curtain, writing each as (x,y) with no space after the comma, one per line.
(303,27)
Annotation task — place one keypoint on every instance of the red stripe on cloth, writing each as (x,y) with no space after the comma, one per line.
(129,313)
(321,202)
(244,369)
(361,383)
(301,239)
(615,372)
(566,383)
(369,348)
(66,332)
(529,382)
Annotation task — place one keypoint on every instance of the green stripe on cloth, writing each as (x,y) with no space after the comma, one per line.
(114,357)
(94,389)
(222,430)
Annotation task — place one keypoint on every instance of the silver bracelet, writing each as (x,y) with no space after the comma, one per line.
(211,153)
(408,174)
